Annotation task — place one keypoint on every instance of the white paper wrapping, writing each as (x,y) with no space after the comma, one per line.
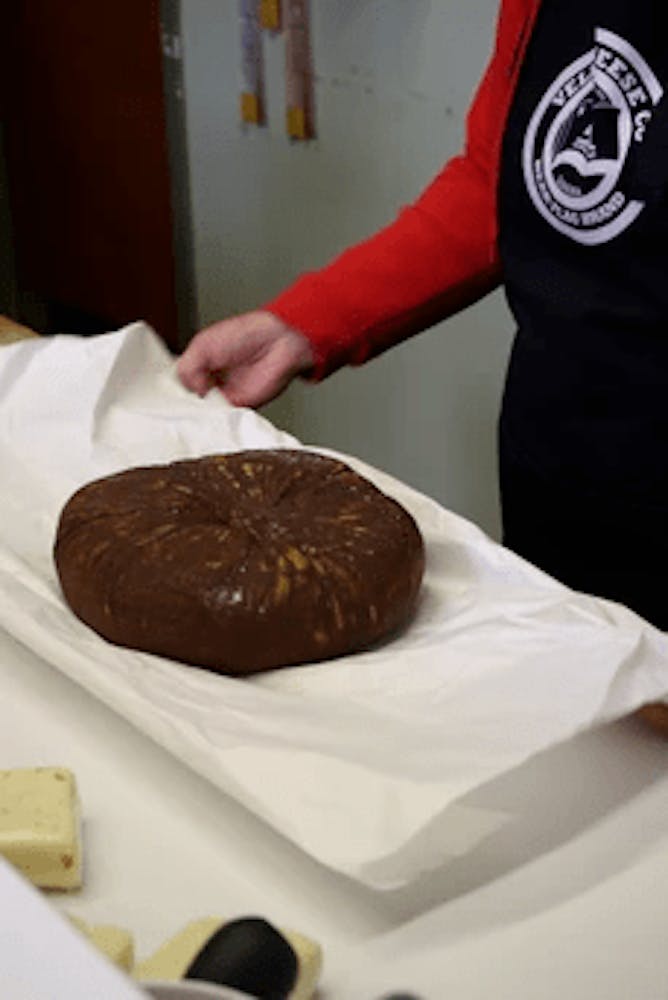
(361,762)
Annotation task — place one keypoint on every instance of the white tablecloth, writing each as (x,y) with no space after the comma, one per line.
(571,900)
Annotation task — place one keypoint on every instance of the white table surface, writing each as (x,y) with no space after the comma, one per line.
(567,902)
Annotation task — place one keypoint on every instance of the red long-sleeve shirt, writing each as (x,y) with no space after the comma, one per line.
(438,256)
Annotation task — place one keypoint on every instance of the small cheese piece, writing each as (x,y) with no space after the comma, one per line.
(39,825)
(172,960)
(114,942)
(309,956)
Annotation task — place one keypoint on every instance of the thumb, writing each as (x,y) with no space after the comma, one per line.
(196,364)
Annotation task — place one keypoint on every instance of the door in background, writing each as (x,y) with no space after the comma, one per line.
(84,123)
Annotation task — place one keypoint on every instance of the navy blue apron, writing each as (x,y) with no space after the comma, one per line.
(584,244)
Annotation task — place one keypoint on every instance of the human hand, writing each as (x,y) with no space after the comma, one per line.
(251,358)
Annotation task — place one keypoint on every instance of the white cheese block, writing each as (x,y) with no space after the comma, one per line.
(39,825)
(114,942)
(172,959)
(309,956)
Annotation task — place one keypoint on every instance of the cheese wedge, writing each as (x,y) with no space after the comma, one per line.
(114,942)
(172,960)
(39,825)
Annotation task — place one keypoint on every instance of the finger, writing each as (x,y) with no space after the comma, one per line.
(255,384)
(203,356)
(197,381)
(251,388)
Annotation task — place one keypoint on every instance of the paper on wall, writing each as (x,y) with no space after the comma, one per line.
(362,761)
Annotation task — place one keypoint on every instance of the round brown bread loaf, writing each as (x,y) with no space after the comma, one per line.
(240,562)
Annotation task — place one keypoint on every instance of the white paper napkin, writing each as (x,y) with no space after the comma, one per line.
(360,761)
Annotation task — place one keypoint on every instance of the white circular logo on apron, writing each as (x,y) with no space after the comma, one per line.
(580,137)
